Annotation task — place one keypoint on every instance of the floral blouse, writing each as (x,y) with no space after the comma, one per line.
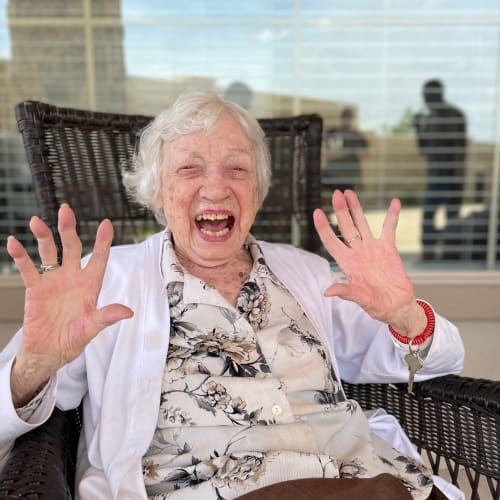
(250,397)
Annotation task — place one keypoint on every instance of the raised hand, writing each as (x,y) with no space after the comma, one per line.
(376,277)
(60,314)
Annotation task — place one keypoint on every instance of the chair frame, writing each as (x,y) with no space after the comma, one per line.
(455,420)
(68,163)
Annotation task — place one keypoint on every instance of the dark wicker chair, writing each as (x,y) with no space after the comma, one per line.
(456,420)
(78,156)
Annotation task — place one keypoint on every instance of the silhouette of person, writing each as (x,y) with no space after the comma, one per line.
(240,93)
(344,148)
(441,135)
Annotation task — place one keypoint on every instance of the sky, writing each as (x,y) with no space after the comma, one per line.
(374,53)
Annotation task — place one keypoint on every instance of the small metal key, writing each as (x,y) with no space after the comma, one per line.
(414,362)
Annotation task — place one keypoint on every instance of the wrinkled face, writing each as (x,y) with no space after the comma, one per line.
(209,192)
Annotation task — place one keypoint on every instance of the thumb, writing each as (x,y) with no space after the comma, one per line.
(338,290)
(347,291)
(110,314)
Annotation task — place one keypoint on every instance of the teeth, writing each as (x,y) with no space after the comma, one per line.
(212,217)
(222,232)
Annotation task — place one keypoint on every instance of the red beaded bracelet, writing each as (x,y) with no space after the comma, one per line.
(428,331)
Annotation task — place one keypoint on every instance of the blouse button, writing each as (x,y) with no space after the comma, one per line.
(276,409)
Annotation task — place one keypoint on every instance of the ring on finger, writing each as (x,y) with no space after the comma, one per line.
(356,237)
(45,268)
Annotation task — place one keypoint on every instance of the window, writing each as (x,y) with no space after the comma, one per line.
(361,65)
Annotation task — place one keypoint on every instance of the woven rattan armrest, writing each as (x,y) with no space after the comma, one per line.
(455,419)
(42,462)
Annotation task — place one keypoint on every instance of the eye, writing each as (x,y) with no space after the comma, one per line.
(187,169)
(238,168)
(238,172)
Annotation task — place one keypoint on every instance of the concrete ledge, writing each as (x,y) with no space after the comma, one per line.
(11,298)
(461,295)
(456,295)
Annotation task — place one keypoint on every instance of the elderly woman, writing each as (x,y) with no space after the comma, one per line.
(209,363)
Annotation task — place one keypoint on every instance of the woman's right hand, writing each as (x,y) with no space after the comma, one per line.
(60,314)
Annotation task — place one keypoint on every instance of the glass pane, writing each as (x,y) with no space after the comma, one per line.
(369,10)
(36,9)
(365,61)
(376,74)
(204,11)
(175,58)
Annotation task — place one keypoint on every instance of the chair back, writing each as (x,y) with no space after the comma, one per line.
(78,156)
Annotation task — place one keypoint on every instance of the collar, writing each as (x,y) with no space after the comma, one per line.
(173,272)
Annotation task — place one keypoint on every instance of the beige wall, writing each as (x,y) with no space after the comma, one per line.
(471,302)
(11,298)
(463,295)
(458,296)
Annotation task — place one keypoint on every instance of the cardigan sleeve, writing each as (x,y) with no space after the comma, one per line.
(69,392)
(366,352)
(12,424)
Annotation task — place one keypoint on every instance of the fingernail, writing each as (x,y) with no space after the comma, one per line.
(65,205)
(10,237)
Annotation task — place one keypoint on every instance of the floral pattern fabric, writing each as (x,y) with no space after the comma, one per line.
(250,397)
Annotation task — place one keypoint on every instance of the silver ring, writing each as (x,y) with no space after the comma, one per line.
(357,237)
(45,268)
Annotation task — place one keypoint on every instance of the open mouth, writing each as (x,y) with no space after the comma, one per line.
(214,225)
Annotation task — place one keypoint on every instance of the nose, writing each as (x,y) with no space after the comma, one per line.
(215,186)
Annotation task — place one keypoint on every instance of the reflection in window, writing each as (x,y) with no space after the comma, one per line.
(290,57)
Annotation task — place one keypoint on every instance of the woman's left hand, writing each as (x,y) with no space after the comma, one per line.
(376,277)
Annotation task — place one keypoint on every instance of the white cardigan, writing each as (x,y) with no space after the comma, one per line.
(119,374)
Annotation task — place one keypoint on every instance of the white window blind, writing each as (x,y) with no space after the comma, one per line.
(360,62)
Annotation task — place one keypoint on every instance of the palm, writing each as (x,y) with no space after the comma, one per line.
(61,317)
(376,278)
(59,314)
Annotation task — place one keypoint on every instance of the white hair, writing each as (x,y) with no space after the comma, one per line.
(190,113)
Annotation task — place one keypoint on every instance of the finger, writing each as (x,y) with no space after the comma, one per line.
(350,292)
(346,291)
(23,262)
(107,316)
(46,246)
(391,221)
(329,239)
(72,246)
(111,314)
(99,258)
(345,222)
(357,214)
(338,290)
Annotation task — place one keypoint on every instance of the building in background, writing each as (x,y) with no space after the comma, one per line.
(56,55)
(60,51)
